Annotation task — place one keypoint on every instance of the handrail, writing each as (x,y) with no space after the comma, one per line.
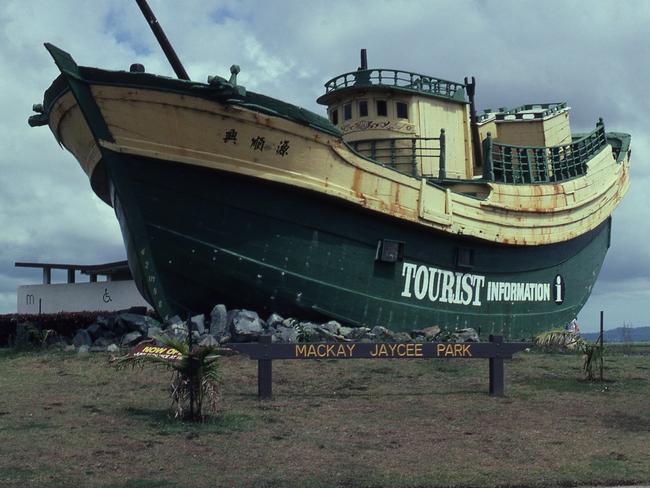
(399,79)
(523,111)
(529,164)
(404,154)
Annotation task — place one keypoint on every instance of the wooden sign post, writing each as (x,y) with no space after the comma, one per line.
(265,352)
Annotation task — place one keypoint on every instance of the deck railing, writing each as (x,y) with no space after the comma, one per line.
(408,155)
(400,79)
(524,165)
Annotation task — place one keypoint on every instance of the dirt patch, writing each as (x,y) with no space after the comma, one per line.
(626,422)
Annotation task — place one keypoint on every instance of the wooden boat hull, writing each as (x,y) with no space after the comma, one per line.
(197,237)
(219,201)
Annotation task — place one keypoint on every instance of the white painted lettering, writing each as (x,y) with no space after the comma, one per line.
(447,294)
(421,282)
(432,275)
(467,289)
(407,268)
(479,282)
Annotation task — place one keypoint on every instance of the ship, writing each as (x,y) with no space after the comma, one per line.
(403,207)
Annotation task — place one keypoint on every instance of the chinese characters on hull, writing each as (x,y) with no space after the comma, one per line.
(259,143)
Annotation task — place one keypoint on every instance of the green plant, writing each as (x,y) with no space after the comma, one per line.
(30,336)
(564,340)
(195,378)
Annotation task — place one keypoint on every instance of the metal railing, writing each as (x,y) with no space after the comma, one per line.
(523,112)
(406,154)
(400,79)
(522,165)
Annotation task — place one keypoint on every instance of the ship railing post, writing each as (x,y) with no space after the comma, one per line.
(488,172)
(443,170)
(265,372)
(496,368)
(414,159)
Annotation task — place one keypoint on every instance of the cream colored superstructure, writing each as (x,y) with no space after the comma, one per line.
(188,130)
(529,126)
(425,118)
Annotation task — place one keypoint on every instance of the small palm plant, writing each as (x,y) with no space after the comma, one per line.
(566,340)
(195,379)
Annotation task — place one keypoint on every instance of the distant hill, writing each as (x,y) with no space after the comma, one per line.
(634,334)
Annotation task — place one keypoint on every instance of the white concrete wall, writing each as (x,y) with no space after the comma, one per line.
(77,297)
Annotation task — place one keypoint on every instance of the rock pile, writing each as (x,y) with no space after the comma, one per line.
(124,330)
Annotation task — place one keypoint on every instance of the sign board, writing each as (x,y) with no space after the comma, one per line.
(380,350)
(265,352)
(149,348)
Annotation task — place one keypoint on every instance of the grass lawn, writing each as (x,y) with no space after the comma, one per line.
(67,420)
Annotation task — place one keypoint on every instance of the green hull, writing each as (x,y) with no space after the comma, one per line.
(198,237)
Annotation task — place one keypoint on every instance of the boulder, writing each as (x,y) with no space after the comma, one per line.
(103,342)
(82,338)
(333,327)
(53,338)
(218,320)
(177,330)
(290,322)
(110,324)
(346,331)
(227,337)
(94,330)
(153,331)
(358,332)
(382,334)
(428,332)
(131,338)
(112,348)
(285,334)
(209,341)
(464,335)
(174,320)
(402,337)
(133,322)
(83,350)
(246,326)
(325,334)
(198,323)
(274,320)
(307,331)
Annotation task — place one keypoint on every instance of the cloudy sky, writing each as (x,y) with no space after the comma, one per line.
(593,54)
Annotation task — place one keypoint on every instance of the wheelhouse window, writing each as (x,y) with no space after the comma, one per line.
(334,114)
(363,108)
(382,108)
(402,110)
(347,111)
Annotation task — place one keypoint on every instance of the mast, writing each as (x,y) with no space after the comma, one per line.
(162,40)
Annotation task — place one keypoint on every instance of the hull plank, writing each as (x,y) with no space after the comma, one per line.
(218,237)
